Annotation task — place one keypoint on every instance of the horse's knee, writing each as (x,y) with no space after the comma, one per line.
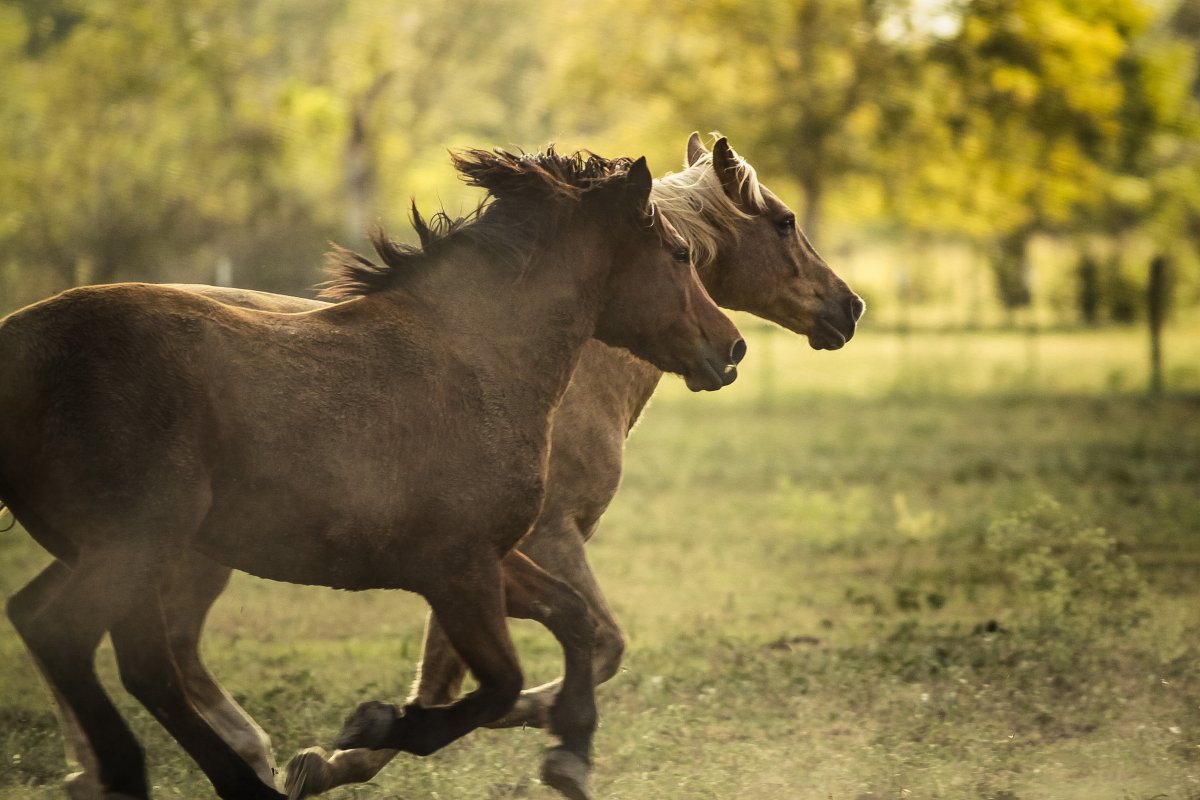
(609,652)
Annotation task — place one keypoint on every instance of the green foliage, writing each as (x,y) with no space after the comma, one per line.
(1071,583)
(160,141)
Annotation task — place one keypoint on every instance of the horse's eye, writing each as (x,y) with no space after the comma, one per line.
(787,225)
(681,254)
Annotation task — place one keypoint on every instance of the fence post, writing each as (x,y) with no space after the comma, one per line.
(223,271)
(1156,312)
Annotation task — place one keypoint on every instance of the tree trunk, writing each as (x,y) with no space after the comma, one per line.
(1157,301)
(814,199)
(1010,264)
(359,164)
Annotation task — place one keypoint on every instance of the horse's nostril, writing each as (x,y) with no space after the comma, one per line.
(737,352)
(857,307)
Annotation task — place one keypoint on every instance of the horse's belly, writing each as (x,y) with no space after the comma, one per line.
(378,548)
(338,552)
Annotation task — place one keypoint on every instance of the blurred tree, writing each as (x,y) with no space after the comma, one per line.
(1059,115)
(133,150)
(1035,90)
(803,85)
(1089,289)
(157,140)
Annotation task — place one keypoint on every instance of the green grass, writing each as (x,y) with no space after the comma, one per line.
(819,598)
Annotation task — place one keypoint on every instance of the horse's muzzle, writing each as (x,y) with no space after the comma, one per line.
(716,372)
(835,328)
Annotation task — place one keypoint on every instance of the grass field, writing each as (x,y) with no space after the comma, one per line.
(877,573)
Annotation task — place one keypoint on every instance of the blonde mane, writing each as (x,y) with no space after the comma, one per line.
(698,207)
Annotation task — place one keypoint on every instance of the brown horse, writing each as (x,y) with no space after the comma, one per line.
(752,257)
(399,440)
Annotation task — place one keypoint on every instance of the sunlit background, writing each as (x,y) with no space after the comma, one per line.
(958,558)
(964,164)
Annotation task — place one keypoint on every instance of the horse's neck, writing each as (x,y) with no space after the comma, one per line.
(523,333)
(617,384)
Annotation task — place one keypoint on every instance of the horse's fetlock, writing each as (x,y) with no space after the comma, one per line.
(573,725)
(371,725)
(129,781)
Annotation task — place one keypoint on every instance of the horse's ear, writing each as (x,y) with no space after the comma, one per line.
(638,184)
(695,149)
(729,170)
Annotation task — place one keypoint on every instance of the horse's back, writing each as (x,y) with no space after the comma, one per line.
(251,298)
(100,401)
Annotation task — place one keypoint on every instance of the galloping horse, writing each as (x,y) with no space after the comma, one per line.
(752,257)
(397,440)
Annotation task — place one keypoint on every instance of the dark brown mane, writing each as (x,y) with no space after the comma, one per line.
(533,176)
(524,190)
(353,275)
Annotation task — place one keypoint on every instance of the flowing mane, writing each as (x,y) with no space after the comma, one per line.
(525,194)
(699,208)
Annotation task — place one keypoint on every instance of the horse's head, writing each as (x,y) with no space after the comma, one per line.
(767,266)
(656,306)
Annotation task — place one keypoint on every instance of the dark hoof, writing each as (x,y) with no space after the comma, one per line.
(82,786)
(368,726)
(307,774)
(566,773)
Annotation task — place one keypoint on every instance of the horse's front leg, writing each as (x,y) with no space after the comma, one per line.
(471,610)
(559,550)
(439,678)
(532,593)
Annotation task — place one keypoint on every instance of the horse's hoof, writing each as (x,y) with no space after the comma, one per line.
(368,726)
(308,773)
(567,773)
(83,786)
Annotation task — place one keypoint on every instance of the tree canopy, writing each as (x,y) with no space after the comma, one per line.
(161,139)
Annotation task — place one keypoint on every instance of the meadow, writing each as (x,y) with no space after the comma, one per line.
(928,566)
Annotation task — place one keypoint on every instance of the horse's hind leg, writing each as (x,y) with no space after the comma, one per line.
(187,596)
(313,771)
(61,617)
(441,671)
(149,672)
(83,784)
